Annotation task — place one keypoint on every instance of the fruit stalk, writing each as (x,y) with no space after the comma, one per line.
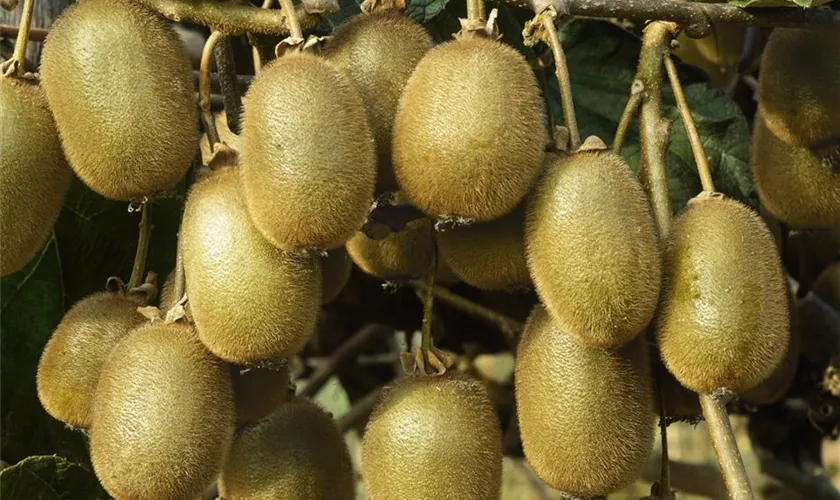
(729,458)
(690,127)
(17,65)
(295,31)
(561,70)
(428,307)
(665,492)
(474,10)
(142,246)
(627,116)
(229,83)
(204,88)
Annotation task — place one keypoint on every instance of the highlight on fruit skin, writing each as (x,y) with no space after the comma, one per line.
(723,320)
(401,254)
(797,185)
(799,86)
(592,247)
(72,360)
(379,52)
(585,413)
(336,268)
(34,171)
(163,415)
(259,391)
(251,301)
(488,255)
(298,453)
(120,86)
(446,428)
(471,115)
(308,156)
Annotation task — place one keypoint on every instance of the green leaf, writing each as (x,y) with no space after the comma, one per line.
(602,62)
(778,3)
(49,478)
(423,11)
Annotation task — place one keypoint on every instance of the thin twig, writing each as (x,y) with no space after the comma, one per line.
(17,66)
(428,308)
(359,411)
(509,327)
(233,18)
(627,116)
(561,70)
(228,83)
(35,34)
(348,350)
(179,287)
(690,127)
(142,246)
(665,492)
(295,31)
(204,88)
(726,449)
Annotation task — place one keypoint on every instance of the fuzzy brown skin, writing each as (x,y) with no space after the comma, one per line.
(308,156)
(379,52)
(72,359)
(592,247)
(35,175)
(799,88)
(585,414)
(259,391)
(796,185)
(470,132)
(404,254)
(488,255)
(120,86)
(251,301)
(163,415)
(723,321)
(827,285)
(296,454)
(433,437)
(335,272)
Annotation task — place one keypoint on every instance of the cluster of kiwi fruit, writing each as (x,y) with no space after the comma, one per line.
(457,131)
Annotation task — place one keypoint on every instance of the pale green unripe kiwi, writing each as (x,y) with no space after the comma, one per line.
(120,86)
(799,85)
(723,320)
(488,255)
(259,391)
(297,453)
(34,173)
(446,428)
(401,254)
(470,132)
(378,52)
(72,359)
(592,247)
(585,413)
(336,268)
(163,415)
(795,184)
(308,156)
(251,301)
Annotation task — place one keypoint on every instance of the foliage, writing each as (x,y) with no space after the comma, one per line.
(49,478)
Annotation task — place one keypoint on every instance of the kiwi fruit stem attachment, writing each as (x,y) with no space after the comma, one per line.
(630,110)
(295,40)
(16,66)
(542,28)
(729,458)
(690,127)
(140,295)
(371,6)
(204,88)
(145,208)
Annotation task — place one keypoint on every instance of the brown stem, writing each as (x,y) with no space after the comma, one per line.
(561,70)
(348,350)
(233,18)
(359,411)
(35,34)
(627,116)
(474,10)
(180,285)
(17,65)
(690,127)
(142,246)
(204,88)
(665,492)
(653,127)
(295,30)
(228,83)
(428,308)
(255,50)
(726,448)
(508,326)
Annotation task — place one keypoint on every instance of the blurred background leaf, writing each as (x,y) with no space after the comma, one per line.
(49,478)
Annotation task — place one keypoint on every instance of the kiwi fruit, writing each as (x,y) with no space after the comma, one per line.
(585,413)
(259,391)
(308,156)
(470,132)
(799,86)
(72,359)
(163,415)
(723,320)
(336,267)
(402,254)
(592,247)
(251,301)
(827,285)
(446,428)
(120,86)
(297,453)
(795,184)
(378,52)
(488,255)
(724,46)
(34,172)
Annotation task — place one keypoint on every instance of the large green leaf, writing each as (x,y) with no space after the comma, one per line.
(49,478)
